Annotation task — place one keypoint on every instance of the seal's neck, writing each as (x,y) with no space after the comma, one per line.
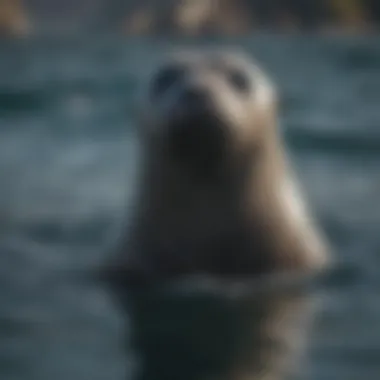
(232,225)
(179,206)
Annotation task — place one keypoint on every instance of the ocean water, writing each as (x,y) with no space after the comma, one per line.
(67,169)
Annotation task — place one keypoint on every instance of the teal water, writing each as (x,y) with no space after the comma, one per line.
(67,166)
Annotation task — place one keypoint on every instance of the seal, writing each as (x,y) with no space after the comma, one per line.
(217,194)
(217,199)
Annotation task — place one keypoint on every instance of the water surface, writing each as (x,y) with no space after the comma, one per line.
(67,161)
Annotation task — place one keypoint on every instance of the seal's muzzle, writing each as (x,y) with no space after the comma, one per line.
(196,135)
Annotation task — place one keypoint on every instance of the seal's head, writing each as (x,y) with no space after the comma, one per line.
(200,107)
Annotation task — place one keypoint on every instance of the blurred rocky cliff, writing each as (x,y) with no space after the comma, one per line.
(14,19)
(191,17)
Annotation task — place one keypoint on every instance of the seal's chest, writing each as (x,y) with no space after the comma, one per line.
(232,253)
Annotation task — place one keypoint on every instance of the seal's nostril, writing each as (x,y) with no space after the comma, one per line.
(194,96)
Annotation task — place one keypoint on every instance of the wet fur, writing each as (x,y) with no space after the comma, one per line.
(249,220)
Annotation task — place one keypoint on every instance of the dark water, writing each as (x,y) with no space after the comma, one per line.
(67,168)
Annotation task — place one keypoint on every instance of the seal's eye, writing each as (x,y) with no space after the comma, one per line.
(238,79)
(166,78)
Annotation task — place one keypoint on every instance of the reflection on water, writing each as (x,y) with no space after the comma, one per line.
(201,328)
